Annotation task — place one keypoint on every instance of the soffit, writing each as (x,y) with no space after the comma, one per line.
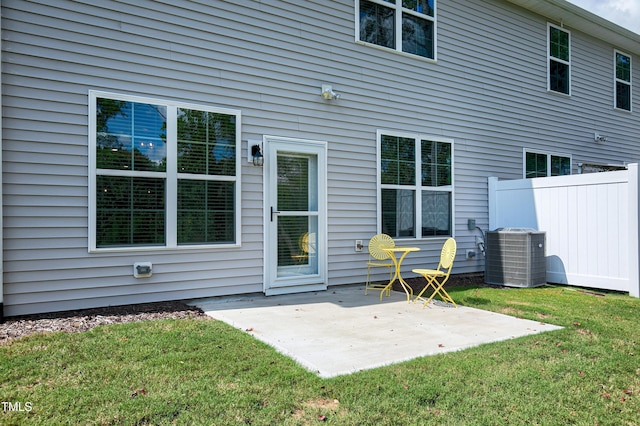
(567,14)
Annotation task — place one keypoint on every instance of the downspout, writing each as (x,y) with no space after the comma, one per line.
(1,195)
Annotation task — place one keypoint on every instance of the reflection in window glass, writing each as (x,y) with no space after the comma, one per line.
(542,165)
(560,166)
(436,163)
(558,77)
(417,36)
(623,96)
(378,24)
(206,143)
(559,44)
(398,217)
(133,183)
(293,184)
(130,136)
(410,170)
(536,165)
(425,7)
(623,81)
(559,60)
(206,211)
(129,211)
(297,245)
(398,160)
(436,213)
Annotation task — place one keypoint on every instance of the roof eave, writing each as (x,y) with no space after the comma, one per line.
(570,15)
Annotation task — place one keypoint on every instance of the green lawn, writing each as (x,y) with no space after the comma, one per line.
(197,371)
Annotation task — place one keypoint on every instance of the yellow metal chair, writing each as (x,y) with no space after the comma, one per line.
(307,245)
(437,277)
(379,257)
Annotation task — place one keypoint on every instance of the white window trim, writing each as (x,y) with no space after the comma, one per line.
(549,58)
(549,154)
(415,187)
(171,175)
(398,21)
(616,80)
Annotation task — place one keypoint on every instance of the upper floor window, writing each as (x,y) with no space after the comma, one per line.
(540,164)
(416,185)
(622,93)
(162,174)
(559,65)
(403,25)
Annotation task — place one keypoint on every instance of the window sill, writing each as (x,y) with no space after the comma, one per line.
(409,240)
(163,249)
(399,52)
(564,95)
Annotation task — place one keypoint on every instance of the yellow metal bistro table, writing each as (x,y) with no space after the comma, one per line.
(397,261)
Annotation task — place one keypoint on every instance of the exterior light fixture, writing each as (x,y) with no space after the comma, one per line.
(599,138)
(256,155)
(328,93)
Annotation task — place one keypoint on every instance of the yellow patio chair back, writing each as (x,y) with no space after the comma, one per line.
(379,257)
(307,248)
(437,277)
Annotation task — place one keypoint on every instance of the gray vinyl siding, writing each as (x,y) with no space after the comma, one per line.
(487,92)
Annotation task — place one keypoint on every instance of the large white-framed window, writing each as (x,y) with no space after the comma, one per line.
(407,26)
(559,60)
(415,180)
(162,174)
(622,80)
(543,164)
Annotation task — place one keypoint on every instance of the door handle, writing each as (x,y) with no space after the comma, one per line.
(273,212)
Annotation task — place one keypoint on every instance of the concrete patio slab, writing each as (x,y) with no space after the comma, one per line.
(341,331)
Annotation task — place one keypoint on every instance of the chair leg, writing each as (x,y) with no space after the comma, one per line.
(426,286)
(368,285)
(368,282)
(440,291)
(444,295)
(390,277)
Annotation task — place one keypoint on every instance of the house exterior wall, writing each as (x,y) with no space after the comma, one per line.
(487,92)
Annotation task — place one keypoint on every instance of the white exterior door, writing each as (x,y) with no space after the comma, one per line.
(295,216)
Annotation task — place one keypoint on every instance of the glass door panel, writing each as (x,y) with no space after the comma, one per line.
(297,217)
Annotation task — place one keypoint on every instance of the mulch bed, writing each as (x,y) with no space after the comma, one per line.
(86,319)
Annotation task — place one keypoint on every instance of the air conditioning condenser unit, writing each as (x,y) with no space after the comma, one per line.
(515,257)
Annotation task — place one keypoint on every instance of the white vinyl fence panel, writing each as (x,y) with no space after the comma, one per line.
(590,221)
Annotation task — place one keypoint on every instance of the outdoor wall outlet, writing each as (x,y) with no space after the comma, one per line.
(471,254)
(359,245)
(142,269)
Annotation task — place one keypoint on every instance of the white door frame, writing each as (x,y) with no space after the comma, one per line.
(282,285)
